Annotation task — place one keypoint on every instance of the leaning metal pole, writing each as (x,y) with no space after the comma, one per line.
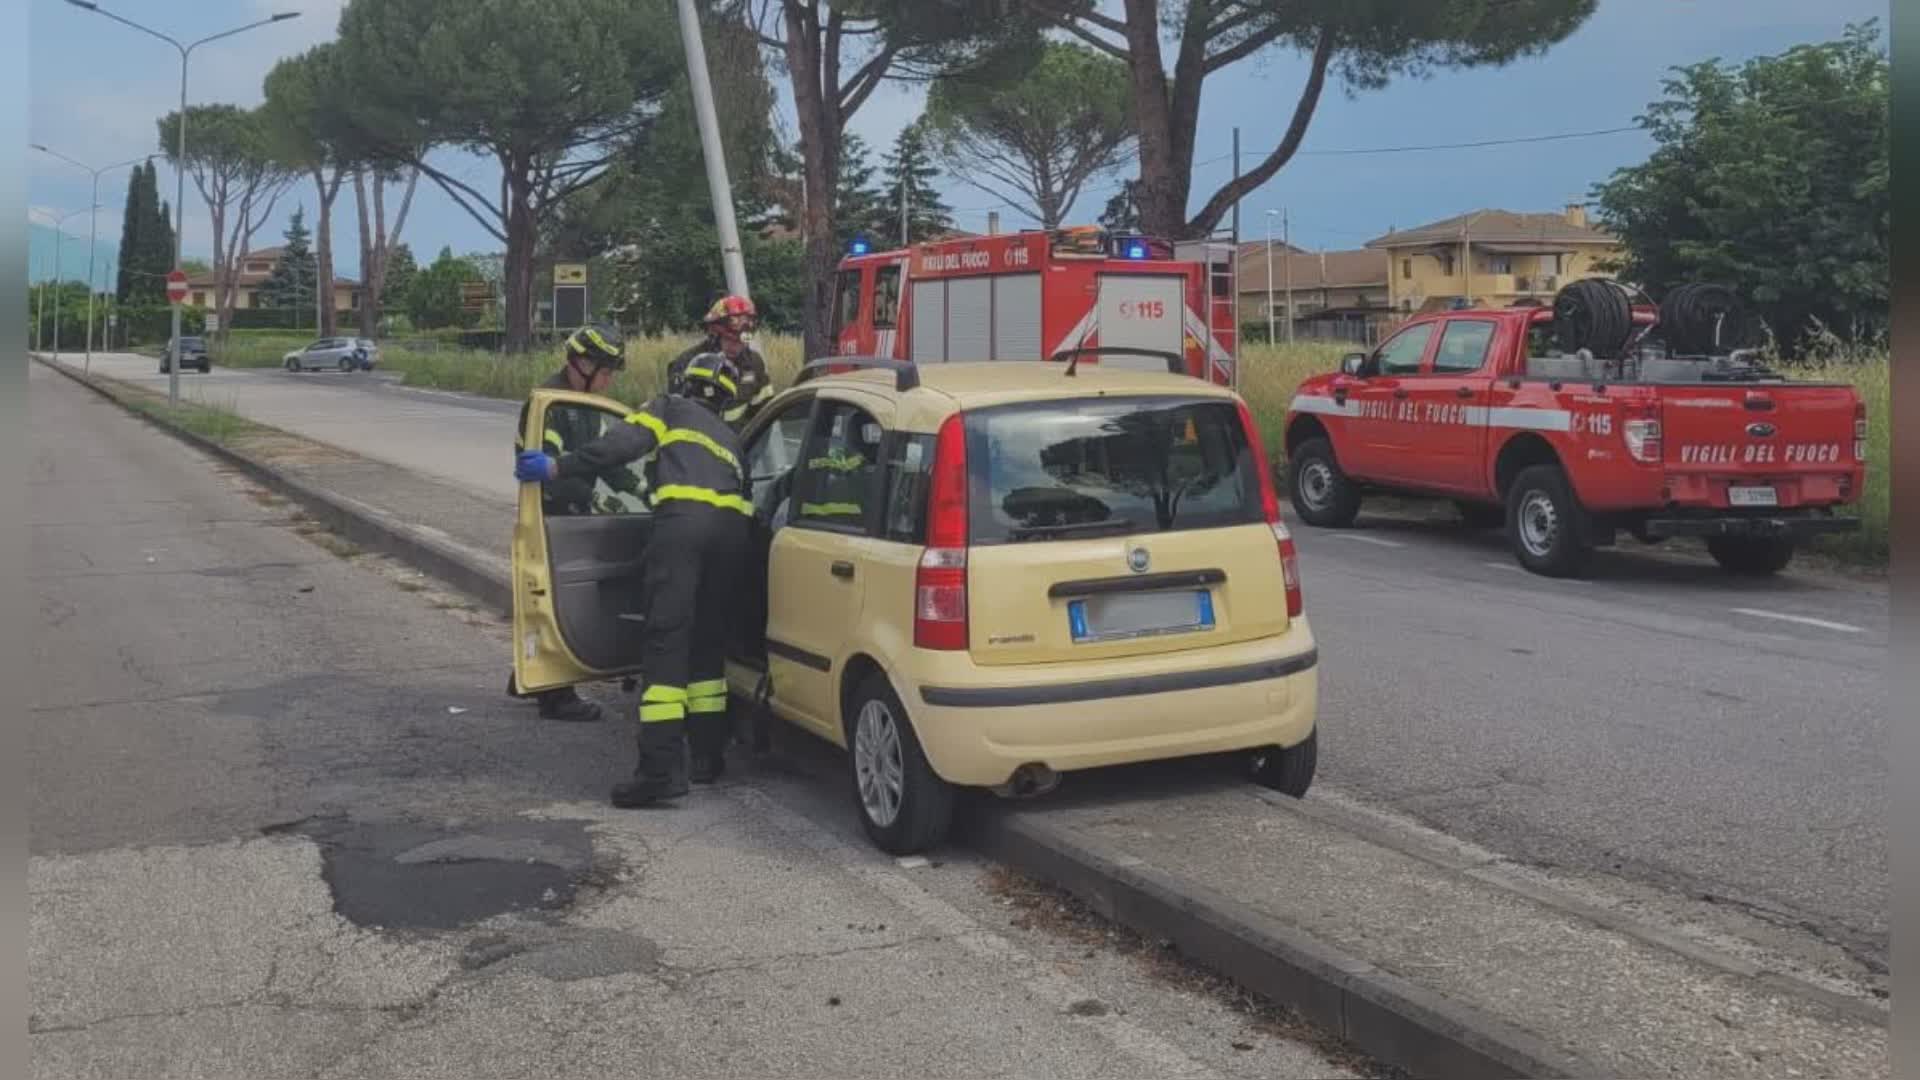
(722,190)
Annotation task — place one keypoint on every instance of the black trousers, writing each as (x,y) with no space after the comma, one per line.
(696,561)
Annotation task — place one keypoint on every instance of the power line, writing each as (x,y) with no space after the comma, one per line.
(1472,145)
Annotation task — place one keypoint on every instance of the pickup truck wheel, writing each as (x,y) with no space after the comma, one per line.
(1480,515)
(1545,523)
(1751,556)
(1321,493)
(1287,769)
(903,804)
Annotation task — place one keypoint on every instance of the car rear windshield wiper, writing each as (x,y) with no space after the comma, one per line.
(1026,532)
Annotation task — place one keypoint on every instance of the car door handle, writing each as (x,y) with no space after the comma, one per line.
(1399,392)
(1463,392)
(842,568)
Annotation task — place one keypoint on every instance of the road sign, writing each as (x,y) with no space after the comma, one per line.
(176,286)
(569,273)
(213,323)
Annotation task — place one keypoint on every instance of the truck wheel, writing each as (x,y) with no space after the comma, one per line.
(1287,769)
(1321,493)
(1481,515)
(903,804)
(1545,523)
(1751,556)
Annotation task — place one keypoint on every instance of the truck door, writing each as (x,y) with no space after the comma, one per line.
(852,335)
(1380,435)
(1142,311)
(1449,399)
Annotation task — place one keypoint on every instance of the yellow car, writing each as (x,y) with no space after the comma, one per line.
(978,575)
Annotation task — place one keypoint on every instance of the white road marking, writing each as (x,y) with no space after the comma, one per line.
(1376,541)
(1502,566)
(1804,620)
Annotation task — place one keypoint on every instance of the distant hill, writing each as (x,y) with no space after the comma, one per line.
(73,255)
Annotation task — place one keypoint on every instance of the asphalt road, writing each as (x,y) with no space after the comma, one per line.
(1661,722)
(284,823)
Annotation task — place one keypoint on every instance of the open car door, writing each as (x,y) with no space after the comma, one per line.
(579,601)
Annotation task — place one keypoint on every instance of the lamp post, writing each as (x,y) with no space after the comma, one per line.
(180,157)
(1270,338)
(93,234)
(59,241)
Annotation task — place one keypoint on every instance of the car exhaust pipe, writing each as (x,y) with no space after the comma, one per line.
(1029,781)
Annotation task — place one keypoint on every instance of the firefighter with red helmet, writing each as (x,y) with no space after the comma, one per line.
(727,324)
(695,556)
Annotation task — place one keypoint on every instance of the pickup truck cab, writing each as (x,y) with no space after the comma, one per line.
(1566,450)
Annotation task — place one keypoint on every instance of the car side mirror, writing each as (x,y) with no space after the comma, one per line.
(1353,363)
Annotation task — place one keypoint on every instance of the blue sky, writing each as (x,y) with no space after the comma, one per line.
(97,88)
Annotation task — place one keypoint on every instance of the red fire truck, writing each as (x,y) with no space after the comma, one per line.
(1034,295)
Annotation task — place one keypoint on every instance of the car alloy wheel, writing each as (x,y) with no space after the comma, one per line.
(1539,523)
(878,767)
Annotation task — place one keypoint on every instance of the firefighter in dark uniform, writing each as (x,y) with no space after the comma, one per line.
(594,354)
(694,563)
(727,323)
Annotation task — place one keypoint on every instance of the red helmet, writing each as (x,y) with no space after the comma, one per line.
(731,316)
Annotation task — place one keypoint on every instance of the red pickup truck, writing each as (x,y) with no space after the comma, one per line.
(1566,449)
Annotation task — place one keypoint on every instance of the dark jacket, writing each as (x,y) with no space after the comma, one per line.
(691,455)
(756,386)
(568,429)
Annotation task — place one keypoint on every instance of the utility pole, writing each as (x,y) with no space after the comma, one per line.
(1286,238)
(1271,339)
(1236,205)
(905,237)
(717,183)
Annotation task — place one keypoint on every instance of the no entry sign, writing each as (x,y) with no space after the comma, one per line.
(176,286)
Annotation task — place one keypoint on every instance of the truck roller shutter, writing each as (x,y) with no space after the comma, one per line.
(929,342)
(969,319)
(1016,317)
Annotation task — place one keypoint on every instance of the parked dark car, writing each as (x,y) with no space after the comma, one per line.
(193,356)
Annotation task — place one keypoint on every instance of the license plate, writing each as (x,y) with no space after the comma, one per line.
(1753,496)
(1129,615)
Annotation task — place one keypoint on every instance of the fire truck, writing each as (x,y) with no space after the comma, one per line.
(1110,298)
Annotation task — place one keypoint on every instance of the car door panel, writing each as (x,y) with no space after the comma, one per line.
(1449,400)
(770,449)
(579,601)
(1378,409)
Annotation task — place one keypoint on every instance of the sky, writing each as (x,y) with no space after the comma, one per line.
(97,88)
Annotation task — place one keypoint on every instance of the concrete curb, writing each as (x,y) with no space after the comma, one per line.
(366,526)
(1376,1011)
(1380,1013)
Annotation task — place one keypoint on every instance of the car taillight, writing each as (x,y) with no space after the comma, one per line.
(1270,509)
(1643,439)
(1860,431)
(940,583)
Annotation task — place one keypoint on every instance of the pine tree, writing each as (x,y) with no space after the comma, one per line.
(1123,212)
(857,206)
(909,170)
(291,284)
(401,270)
(131,221)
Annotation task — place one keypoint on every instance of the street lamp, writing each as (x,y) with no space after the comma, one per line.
(93,233)
(180,156)
(1270,213)
(58,243)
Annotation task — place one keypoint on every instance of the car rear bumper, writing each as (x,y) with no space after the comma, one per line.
(979,730)
(1792,524)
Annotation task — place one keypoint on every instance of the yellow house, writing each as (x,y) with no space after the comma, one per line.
(254,271)
(1491,258)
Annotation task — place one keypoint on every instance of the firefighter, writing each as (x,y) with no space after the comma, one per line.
(694,561)
(727,324)
(594,354)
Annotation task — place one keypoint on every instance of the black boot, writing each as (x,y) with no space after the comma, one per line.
(564,704)
(663,767)
(709,734)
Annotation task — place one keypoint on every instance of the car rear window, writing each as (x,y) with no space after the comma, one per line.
(1098,466)
(193,343)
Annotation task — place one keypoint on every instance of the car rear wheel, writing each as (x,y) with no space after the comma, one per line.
(1286,769)
(1751,556)
(1321,493)
(903,805)
(1545,523)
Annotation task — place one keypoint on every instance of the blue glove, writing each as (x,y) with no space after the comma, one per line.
(532,466)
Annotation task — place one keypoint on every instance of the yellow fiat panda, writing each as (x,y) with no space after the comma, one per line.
(977,575)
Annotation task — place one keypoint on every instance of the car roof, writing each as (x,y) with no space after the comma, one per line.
(982,385)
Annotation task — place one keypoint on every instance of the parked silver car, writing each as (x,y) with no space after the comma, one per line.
(334,353)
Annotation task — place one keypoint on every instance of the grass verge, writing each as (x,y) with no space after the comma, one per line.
(221,423)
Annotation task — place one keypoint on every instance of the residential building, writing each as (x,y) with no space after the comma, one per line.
(1340,295)
(1492,258)
(255,268)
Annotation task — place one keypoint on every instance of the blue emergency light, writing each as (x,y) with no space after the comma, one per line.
(1136,249)
(859,246)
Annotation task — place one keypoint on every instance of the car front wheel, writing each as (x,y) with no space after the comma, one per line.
(903,804)
(1320,491)
(293,365)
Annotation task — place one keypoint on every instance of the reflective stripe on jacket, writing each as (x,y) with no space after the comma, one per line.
(691,454)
